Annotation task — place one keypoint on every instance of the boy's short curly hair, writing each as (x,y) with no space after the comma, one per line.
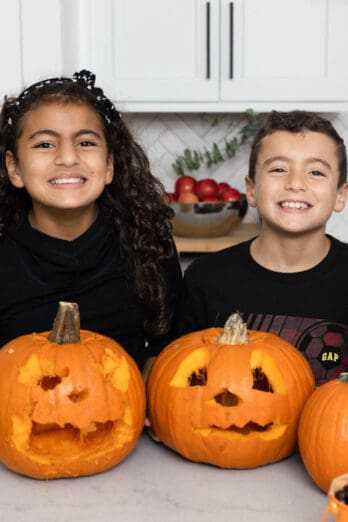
(298,121)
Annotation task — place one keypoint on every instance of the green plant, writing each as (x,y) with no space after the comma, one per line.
(192,160)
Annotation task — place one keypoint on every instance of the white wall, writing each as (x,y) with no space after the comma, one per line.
(164,136)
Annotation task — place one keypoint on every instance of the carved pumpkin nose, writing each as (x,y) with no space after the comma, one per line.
(226,398)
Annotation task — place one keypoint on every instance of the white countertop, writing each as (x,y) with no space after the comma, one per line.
(154,484)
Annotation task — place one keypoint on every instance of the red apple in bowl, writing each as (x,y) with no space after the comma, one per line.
(185,184)
(170,197)
(231,194)
(223,186)
(207,188)
(188,197)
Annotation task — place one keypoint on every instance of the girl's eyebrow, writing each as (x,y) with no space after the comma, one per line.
(55,134)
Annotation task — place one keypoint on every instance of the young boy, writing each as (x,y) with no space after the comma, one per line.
(292,279)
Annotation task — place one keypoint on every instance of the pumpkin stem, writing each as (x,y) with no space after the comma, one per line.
(343,377)
(235,331)
(66,325)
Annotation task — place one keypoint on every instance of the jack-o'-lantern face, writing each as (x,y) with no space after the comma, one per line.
(69,409)
(233,406)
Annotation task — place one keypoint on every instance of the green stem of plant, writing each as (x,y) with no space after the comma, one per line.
(192,160)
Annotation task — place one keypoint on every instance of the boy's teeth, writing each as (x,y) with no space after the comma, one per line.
(62,181)
(294,204)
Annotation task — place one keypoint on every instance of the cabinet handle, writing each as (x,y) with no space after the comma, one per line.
(207,5)
(231,39)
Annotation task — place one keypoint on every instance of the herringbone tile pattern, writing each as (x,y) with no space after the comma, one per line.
(165,136)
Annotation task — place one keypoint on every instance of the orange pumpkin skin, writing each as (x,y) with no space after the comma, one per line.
(323,432)
(254,427)
(68,409)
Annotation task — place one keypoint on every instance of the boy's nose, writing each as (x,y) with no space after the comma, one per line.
(296,180)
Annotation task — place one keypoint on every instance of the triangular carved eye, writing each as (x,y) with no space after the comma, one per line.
(267,377)
(192,370)
(261,381)
(198,377)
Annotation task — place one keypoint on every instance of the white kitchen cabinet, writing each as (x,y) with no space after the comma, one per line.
(217,55)
(152,51)
(10,48)
(30,42)
(284,50)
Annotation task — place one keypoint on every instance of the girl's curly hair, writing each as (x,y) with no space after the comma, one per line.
(135,197)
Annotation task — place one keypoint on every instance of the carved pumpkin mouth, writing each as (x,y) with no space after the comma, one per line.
(46,441)
(247,428)
(249,431)
(66,440)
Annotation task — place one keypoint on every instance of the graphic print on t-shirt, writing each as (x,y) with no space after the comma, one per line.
(323,343)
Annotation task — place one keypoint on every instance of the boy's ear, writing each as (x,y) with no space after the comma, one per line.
(341,198)
(13,171)
(250,192)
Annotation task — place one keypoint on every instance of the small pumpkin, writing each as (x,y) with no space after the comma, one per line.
(71,402)
(323,432)
(231,397)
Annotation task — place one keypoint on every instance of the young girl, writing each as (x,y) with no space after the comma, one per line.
(82,219)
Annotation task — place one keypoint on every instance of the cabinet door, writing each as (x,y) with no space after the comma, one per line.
(30,43)
(153,50)
(275,50)
(10,48)
(42,39)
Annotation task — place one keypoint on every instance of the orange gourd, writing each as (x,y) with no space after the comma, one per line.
(71,402)
(323,432)
(231,397)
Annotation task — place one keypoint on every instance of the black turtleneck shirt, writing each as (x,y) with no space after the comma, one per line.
(37,271)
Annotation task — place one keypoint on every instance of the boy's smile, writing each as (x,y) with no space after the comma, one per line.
(295,188)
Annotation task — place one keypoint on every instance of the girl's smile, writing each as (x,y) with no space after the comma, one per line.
(68,181)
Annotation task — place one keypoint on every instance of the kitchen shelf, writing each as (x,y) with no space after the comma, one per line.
(240,232)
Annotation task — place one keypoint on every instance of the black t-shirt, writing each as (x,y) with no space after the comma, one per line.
(309,309)
(37,271)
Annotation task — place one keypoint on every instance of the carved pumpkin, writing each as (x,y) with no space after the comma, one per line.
(230,398)
(71,402)
(323,433)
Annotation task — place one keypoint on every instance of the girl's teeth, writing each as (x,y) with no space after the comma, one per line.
(294,204)
(71,181)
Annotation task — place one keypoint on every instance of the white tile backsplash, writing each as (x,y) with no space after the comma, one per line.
(165,136)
